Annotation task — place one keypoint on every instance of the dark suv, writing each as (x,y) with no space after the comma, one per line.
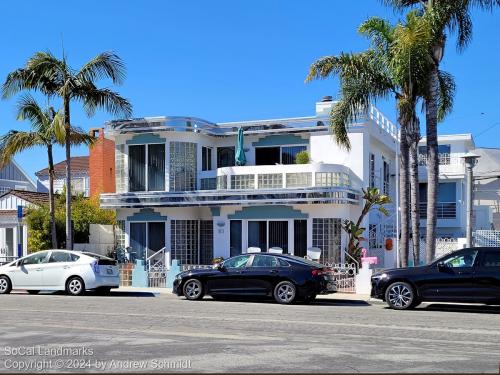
(466,275)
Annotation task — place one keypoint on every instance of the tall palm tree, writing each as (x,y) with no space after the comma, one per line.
(396,64)
(445,16)
(47,130)
(54,77)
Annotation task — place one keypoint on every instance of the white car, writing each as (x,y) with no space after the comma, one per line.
(71,271)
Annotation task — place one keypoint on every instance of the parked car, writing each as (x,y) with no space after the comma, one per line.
(287,278)
(467,275)
(71,271)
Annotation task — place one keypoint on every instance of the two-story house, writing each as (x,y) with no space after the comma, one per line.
(79,177)
(177,185)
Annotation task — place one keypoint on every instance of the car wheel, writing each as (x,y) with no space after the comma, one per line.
(5,285)
(285,292)
(33,291)
(75,286)
(401,296)
(193,289)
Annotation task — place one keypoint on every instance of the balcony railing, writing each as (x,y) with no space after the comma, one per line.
(445,210)
(444,159)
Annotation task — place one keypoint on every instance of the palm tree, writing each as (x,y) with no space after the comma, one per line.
(444,16)
(396,64)
(47,130)
(51,76)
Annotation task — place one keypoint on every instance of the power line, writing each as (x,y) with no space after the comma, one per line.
(487,129)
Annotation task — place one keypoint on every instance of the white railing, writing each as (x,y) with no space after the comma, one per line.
(383,122)
(445,210)
(454,159)
(160,259)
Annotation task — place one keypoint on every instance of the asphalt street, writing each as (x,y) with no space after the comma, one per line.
(142,332)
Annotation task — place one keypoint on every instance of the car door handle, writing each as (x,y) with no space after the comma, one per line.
(274,271)
(66,267)
(39,269)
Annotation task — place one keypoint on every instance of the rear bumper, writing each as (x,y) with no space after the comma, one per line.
(103,281)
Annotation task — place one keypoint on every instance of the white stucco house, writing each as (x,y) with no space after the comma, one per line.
(177,185)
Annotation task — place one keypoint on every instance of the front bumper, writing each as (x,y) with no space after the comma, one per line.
(176,287)
(378,288)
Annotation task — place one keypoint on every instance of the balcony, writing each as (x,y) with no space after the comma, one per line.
(445,210)
(266,184)
(448,163)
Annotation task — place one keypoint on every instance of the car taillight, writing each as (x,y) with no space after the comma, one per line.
(321,271)
(95,266)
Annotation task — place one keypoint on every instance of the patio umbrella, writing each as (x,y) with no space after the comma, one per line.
(239,157)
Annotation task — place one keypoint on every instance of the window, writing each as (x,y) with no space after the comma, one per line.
(235,237)
(443,154)
(298,179)
(326,236)
(386,176)
(61,256)
(206,158)
(243,181)
(206,241)
(277,155)
(267,234)
(154,168)
(182,166)
(225,157)
(446,205)
(237,262)
(221,182)
(270,181)
(37,258)
(300,238)
(326,179)
(372,170)
(184,241)
(264,261)
(208,183)
(464,259)
(491,259)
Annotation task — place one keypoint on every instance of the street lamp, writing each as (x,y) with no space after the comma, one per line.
(470,160)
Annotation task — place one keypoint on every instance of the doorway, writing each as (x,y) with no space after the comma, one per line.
(268,233)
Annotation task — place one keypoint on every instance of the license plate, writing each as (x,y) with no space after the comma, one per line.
(110,271)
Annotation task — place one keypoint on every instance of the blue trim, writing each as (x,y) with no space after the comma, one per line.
(147,214)
(215,211)
(268,212)
(280,140)
(140,139)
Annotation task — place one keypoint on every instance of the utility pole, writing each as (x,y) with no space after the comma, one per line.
(470,160)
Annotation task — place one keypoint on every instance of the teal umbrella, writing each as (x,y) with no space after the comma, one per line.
(239,157)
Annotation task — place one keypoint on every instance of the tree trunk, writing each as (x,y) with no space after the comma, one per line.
(431,119)
(52,206)
(404,207)
(414,191)
(67,126)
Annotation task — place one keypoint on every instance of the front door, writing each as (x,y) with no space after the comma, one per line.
(230,280)
(137,241)
(452,278)
(266,234)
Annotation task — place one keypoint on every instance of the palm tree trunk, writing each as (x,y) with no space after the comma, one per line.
(403,196)
(431,119)
(52,206)
(67,126)
(414,192)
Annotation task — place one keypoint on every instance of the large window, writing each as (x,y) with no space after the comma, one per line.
(242,182)
(302,179)
(446,202)
(267,234)
(225,157)
(148,176)
(443,154)
(206,241)
(146,238)
(277,155)
(270,181)
(192,241)
(206,158)
(327,236)
(182,166)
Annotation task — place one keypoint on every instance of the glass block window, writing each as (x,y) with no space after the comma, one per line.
(184,241)
(270,180)
(243,181)
(120,234)
(221,182)
(298,179)
(208,183)
(327,236)
(121,169)
(182,166)
(206,241)
(324,179)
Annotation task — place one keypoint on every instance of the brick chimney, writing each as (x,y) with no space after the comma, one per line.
(101,164)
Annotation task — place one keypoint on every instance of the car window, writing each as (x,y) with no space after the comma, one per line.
(237,262)
(464,259)
(283,263)
(491,259)
(264,261)
(38,258)
(60,256)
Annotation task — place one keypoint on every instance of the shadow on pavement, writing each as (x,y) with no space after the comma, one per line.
(317,302)
(482,309)
(93,294)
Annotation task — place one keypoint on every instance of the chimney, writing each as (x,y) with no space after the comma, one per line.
(324,106)
(101,163)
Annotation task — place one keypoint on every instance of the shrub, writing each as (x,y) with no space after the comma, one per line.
(302,157)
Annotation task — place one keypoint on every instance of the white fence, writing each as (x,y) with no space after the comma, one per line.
(487,238)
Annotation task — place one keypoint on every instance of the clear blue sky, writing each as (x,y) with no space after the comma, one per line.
(229,60)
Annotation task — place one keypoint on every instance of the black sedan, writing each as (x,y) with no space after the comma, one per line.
(469,275)
(287,278)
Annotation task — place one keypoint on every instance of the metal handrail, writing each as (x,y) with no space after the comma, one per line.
(158,252)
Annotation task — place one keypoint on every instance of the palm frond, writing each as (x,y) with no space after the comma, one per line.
(79,137)
(104,65)
(14,142)
(379,31)
(446,94)
(28,109)
(94,98)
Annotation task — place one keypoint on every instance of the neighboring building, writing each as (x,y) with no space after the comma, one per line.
(80,176)
(101,164)
(14,177)
(177,185)
(13,232)
(487,188)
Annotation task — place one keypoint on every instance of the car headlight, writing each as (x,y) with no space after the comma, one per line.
(178,276)
(380,276)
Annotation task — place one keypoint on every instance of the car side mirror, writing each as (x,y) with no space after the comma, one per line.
(441,266)
(221,267)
